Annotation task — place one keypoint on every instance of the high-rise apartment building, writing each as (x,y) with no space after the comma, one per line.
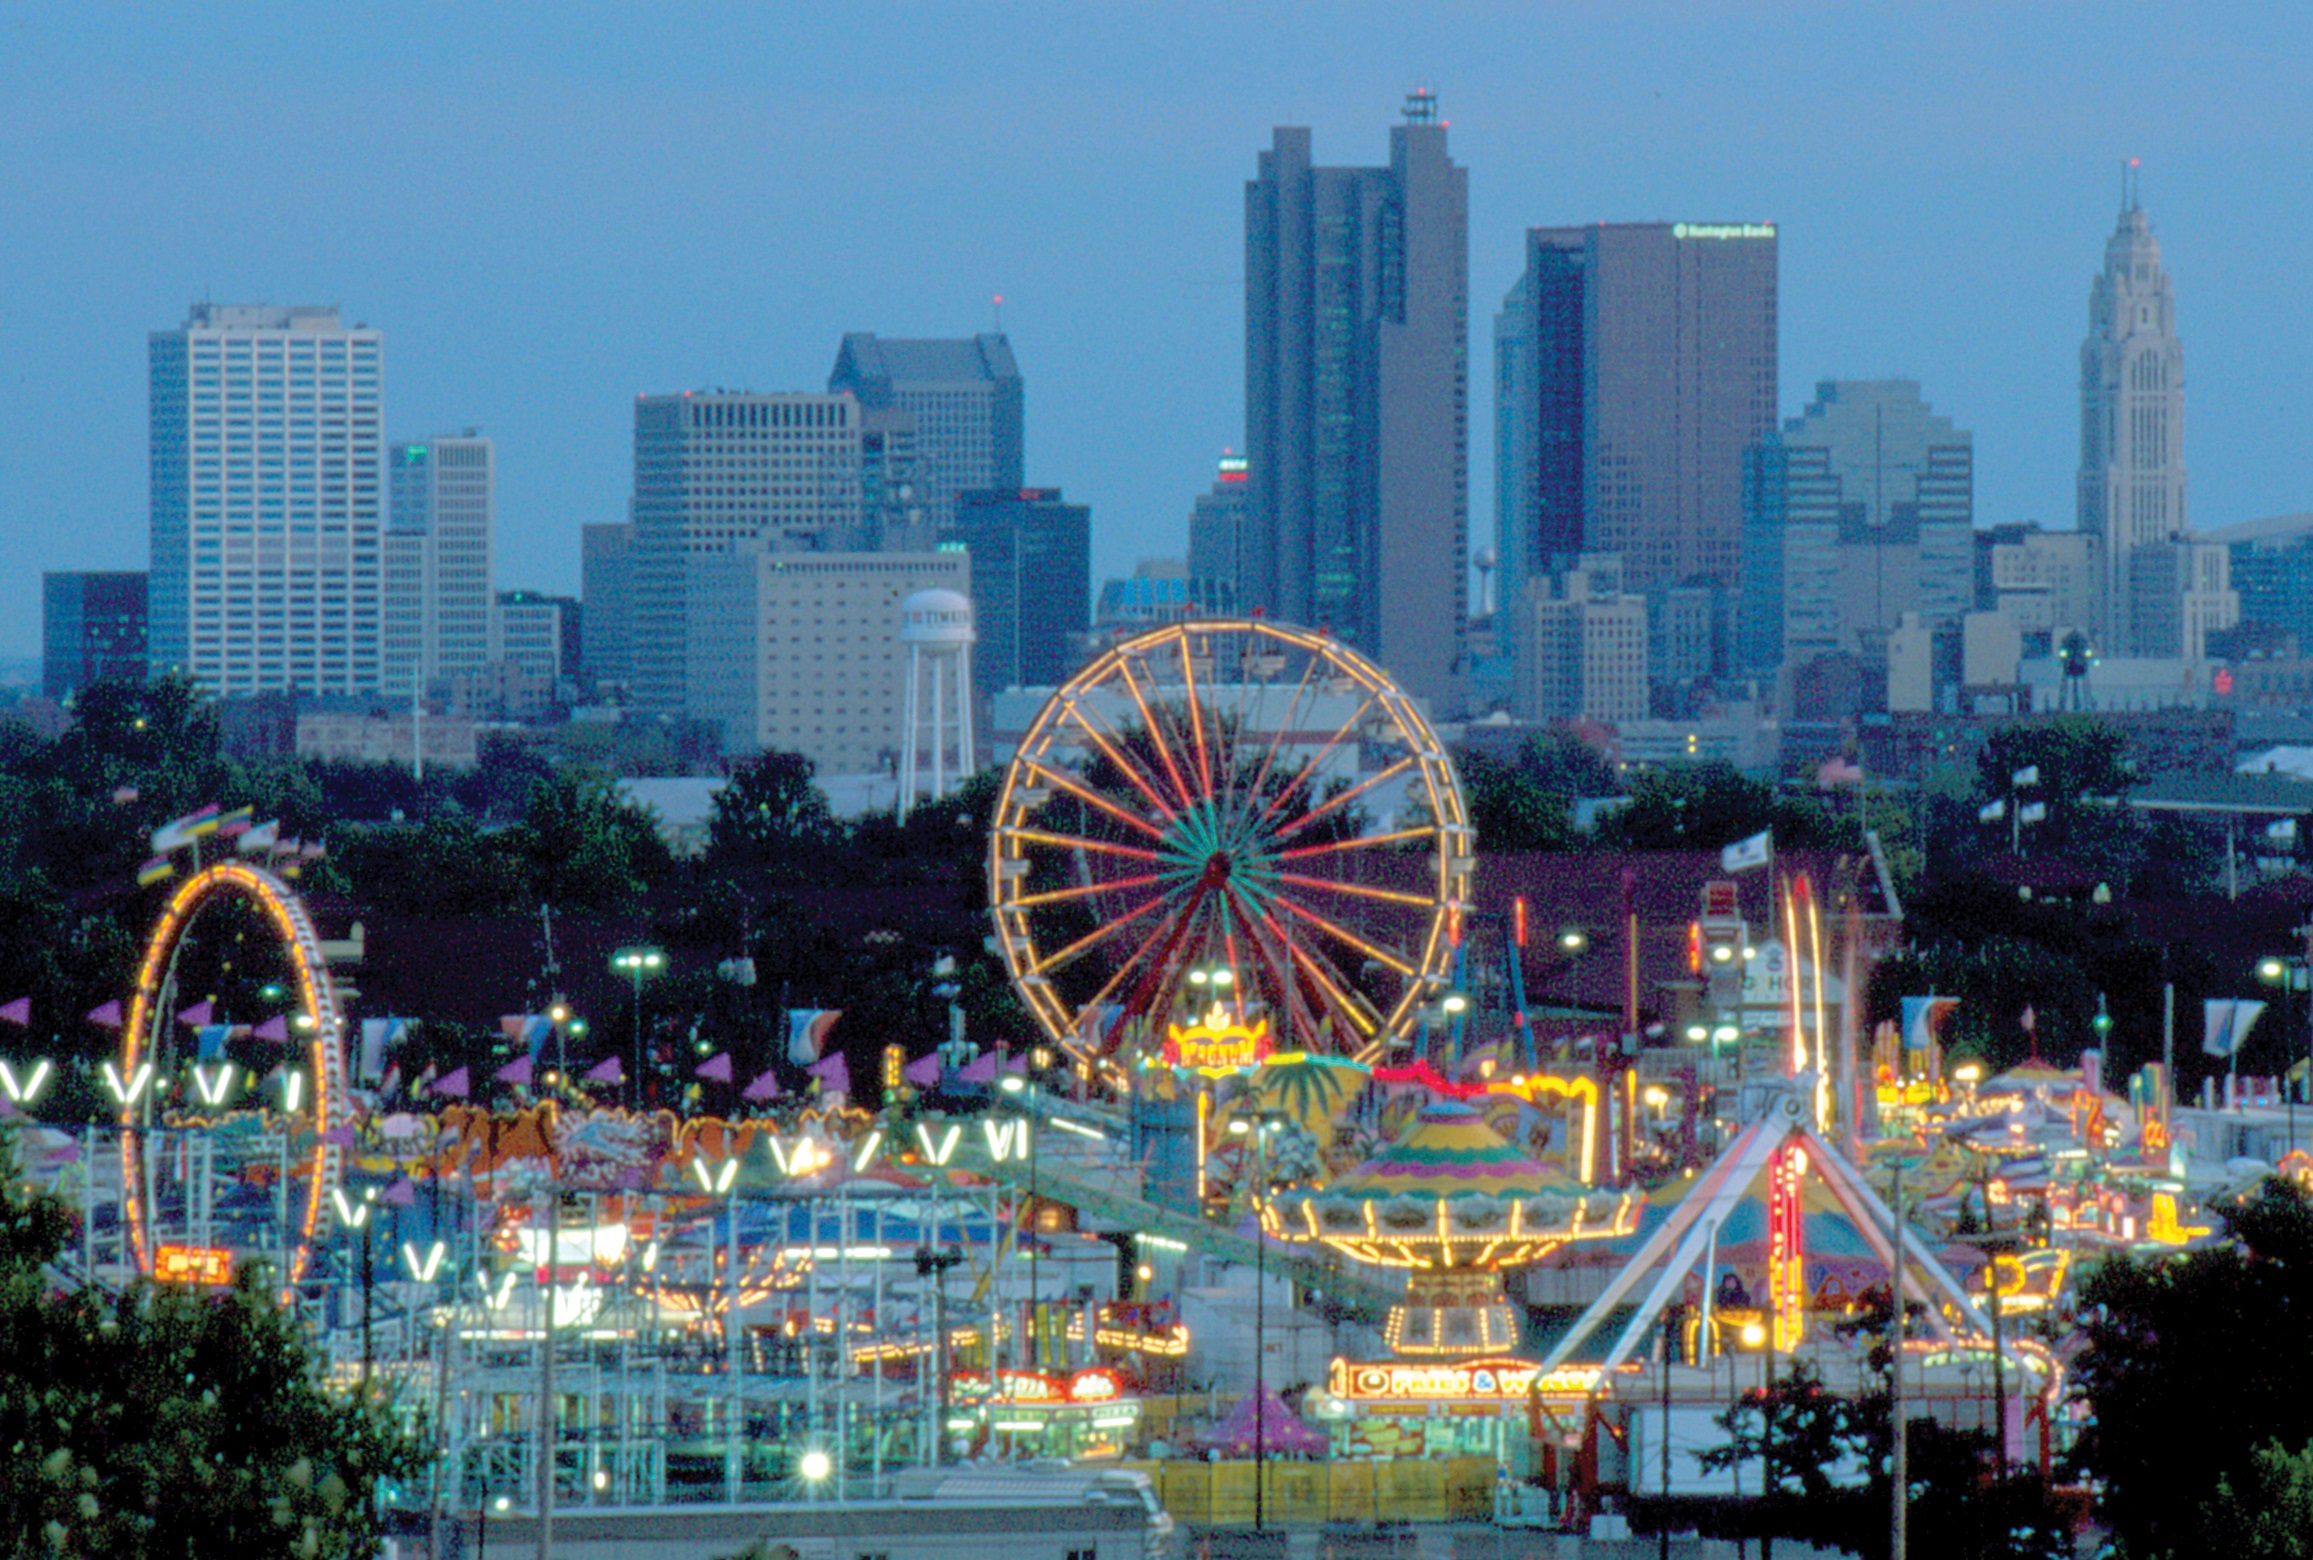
(538,633)
(1634,364)
(2132,470)
(268,500)
(92,626)
(1031,584)
(720,472)
(1217,523)
(1357,399)
(437,562)
(606,592)
(1860,511)
(964,398)
(1587,645)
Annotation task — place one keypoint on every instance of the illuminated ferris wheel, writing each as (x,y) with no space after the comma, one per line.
(1229,808)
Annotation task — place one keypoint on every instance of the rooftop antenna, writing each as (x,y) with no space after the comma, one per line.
(999,303)
(2129,174)
(1421,106)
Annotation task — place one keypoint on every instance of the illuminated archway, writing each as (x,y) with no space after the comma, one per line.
(149,1050)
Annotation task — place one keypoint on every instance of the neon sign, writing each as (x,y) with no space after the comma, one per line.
(210,1266)
(1786,1288)
(1476,1381)
(1217,1041)
(1722,230)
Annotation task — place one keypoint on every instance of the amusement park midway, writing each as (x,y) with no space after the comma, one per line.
(1214,1128)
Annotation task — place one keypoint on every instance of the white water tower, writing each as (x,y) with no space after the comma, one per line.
(936,627)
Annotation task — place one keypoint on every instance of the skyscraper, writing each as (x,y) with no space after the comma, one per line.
(1217,524)
(268,500)
(1357,399)
(1861,510)
(1634,364)
(722,472)
(1031,584)
(2132,470)
(606,593)
(92,626)
(437,562)
(967,402)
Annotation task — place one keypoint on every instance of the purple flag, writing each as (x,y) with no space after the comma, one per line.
(1018,1064)
(18,1012)
(196,1015)
(717,1067)
(982,1070)
(765,1087)
(402,1194)
(833,1073)
(340,1136)
(605,1071)
(924,1072)
(515,1071)
(275,1029)
(108,1015)
(454,1084)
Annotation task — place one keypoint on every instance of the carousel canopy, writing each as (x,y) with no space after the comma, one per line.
(1268,1421)
(1450,1153)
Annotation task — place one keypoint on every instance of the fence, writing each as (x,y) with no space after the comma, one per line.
(1454,1489)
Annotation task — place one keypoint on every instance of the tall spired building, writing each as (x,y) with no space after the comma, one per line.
(2132,472)
(1357,399)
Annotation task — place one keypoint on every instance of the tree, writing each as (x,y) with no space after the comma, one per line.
(184,1423)
(1510,809)
(583,848)
(2193,1363)
(2266,1512)
(770,824)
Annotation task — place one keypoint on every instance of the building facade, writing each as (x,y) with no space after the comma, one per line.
(437,562)
(720,472)
(2132,470)
(1634,365)
(1357,399)
(1865,503)
(92,626)
(538,633)
(606,593)
(1586,640)
(965,411)
(268,500)
(1217,523)
(2272,573)
(801,652)
(1031,584)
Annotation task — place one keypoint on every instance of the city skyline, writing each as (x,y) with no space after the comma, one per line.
(1137,359)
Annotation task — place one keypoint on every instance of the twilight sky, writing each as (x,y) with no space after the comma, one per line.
(549,209)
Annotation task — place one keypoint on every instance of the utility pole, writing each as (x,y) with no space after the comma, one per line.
(1899,1472)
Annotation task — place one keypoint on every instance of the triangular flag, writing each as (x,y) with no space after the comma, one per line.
(982,1070)
(339,1136)
(605,1071)
(264,837)
(833,1073)
(401,1194)
(515,1071)
(1018,1064)
(453,1084)
(196,1015)
(275,1029)
(717,1067)
(211,1038)
(924,1072)
(765,1087)
(18,1011)
(108,1015)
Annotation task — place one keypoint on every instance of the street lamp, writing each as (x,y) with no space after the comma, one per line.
(720,1178)
(355,1213)
(638,963)
(2292,975)
(1260,1135)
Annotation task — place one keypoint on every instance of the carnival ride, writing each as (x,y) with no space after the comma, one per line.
(1229,805)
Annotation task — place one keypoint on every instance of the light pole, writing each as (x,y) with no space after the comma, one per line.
(1023,1095)
(722,1180)
(354,1213)
(636,963)
(1260,1135)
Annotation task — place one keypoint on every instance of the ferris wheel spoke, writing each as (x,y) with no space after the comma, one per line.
(1092,939)
(1086,794)
(1353,842)
(1161,943)
(1082,891)
(1310,767)
(1196,712)
(1156,732)
(1082,842)
(1108,741)
(1387,896)
(1344,798)
(1277,737)
(1360,1013)
(1343,934)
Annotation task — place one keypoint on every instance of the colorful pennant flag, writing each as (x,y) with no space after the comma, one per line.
(807,1033)
(1923,1020)
(18,1012)
(605,1071)
(263,837)
(157,870)
(717,1067)
(453,1084)
(196,1015)
(2226,1024)
(233,824)
(924,1072)
(275,1029)
(528,1030)
(517,1071)
(181,832)
(765,1087)
(833,1073)
(108,1015)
